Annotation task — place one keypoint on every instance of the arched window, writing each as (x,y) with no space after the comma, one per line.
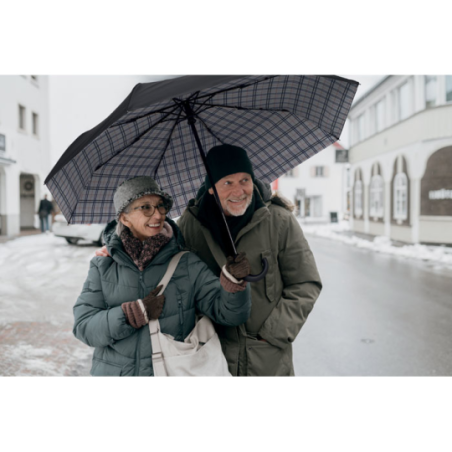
(376,196)
(358,198)
(401,197)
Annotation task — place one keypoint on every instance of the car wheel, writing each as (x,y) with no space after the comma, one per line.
(71,240)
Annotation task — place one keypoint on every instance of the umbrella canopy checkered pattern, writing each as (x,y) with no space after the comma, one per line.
(280,121)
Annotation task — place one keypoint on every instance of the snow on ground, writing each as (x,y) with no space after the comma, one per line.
(41,277)
(440,255)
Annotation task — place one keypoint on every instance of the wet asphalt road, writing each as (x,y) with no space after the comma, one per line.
(376,316)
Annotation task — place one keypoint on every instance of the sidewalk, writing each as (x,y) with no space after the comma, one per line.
(439,255)
(25,233)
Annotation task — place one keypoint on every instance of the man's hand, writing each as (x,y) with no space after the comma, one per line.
(238,267)
(102,252)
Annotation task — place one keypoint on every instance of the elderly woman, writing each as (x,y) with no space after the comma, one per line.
(120,293)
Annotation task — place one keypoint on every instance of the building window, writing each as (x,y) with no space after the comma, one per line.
(400,197)
(319,171)
(22,117)
(430,91)
(360,128)
(35,123)
(448,88)
(292,172)
(358,198)
(376,196)
(405,101)
(380,116)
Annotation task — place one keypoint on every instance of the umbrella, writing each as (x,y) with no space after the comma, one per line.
(162,129)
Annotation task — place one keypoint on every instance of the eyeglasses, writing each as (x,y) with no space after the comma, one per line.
(149,209)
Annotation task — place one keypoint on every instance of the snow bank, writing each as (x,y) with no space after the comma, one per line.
(440,255)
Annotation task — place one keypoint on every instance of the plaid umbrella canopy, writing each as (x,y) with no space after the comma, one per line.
(280,121)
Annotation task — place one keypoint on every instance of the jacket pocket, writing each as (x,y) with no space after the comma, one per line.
(266,360)
(270,276)
(101,368)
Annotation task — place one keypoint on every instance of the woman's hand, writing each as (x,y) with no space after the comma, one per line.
(238,267)
(102,252)
(153,303)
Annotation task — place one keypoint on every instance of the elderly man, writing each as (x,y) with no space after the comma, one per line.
(261,226)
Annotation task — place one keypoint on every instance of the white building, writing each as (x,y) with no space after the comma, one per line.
(401,159)
(319,187)
(24,149)
(40,116)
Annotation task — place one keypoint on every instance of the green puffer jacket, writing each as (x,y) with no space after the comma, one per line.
(120,349)
(281,302)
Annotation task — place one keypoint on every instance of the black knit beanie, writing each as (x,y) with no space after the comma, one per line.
(227,159)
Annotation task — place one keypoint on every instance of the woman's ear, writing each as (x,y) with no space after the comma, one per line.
(123,219)
(211,190)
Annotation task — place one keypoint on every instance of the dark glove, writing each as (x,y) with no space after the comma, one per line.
(153,303)
(238,267)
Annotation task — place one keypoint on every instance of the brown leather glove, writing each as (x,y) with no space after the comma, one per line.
(238,267)
(153,303)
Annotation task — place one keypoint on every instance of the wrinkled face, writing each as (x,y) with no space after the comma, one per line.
(142,226)
(235,192)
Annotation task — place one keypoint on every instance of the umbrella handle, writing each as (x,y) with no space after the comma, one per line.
(261,275)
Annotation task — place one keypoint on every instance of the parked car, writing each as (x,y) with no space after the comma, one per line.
(75,232)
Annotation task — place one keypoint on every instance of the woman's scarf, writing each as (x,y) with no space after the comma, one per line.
(142,252)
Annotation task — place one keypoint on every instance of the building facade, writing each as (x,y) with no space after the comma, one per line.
(401,159)
(24,150)
(40,116)
(320,186)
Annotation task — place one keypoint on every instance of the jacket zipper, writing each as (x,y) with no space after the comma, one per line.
(181,316)
(140,333)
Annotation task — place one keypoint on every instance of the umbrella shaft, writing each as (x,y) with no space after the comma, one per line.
(191,121)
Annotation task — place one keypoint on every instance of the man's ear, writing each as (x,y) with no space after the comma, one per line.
(211,190)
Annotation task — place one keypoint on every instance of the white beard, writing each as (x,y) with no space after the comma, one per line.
(241,212)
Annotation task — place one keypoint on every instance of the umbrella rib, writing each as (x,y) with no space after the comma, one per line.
(209,129)
(163,110)
(238,87)
(167,143)
(242,108)
(135,140)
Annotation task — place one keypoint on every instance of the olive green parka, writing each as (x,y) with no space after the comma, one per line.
(99,321)
(281,302)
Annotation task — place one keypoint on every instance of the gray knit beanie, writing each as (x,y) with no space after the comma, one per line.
(136,187)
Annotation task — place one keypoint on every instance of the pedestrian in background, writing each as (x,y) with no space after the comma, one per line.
(45,209)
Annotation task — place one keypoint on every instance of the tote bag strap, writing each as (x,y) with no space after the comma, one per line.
(170,270)
(154,325)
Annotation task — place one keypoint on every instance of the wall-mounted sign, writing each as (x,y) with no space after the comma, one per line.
(341,155)
(2,142)
(440,194)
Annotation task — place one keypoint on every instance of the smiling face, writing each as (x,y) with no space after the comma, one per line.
(235,192)
(141,226)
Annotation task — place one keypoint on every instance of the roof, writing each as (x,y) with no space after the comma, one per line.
(368,93)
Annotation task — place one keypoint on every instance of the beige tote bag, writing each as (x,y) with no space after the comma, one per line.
(199,355)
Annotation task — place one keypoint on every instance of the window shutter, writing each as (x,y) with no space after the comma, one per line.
(312,171)
(326,171)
